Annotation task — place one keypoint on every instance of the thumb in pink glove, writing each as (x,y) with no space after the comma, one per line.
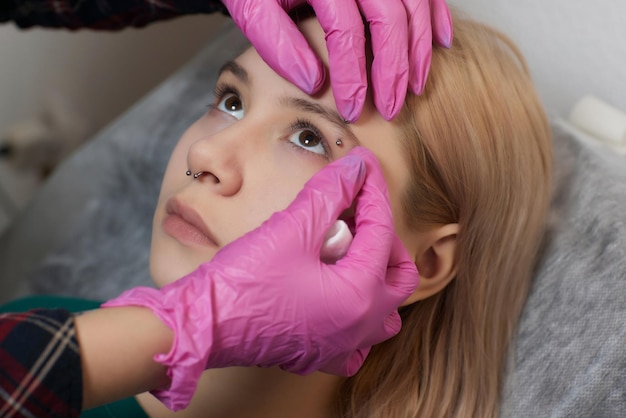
(402,33)
(267,299)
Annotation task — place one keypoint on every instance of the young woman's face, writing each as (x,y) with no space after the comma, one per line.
(259,144)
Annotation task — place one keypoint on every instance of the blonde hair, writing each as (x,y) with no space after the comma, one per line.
(479,145)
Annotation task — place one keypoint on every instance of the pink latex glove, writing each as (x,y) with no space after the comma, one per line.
(402,34)
(266,299)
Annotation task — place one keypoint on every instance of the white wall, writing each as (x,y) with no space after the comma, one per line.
(98,74)
(574,47)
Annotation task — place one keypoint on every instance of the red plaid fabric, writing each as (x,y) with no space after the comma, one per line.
(40,370)
(101,14)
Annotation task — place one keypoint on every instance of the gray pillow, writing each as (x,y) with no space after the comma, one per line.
(570,354)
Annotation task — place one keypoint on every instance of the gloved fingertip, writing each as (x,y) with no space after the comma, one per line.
(444,37)
(421,76)
(350,109)
(358,166)
(314,81)
(350,114)
(442,24)
(388,108)
(392,106)
(356,361)
(363,154)
(309,81)
(390,113)
(417,87)
(393,324)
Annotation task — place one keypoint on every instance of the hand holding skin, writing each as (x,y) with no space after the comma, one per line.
(402,34)
(266,299)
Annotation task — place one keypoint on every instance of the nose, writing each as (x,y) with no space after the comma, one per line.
(216,161)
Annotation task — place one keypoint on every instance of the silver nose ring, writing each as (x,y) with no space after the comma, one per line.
(195,175)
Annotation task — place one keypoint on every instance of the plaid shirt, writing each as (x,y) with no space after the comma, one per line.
(40,370)
(100,14)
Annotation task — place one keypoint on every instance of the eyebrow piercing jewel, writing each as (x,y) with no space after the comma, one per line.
(196,175)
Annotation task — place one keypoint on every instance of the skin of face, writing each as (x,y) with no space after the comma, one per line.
(257,146)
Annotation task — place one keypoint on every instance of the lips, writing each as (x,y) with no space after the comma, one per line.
(185,225)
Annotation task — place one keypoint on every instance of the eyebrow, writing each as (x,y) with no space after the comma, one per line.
(330,115)
(236,70)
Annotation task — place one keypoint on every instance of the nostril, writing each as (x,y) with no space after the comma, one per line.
(203,174)
(5,149)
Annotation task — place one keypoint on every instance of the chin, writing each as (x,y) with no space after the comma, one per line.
(160,275)
(164,276)
(170,260)
(166,268)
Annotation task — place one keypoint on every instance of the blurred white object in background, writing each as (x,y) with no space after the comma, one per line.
(39,144)
(601,121)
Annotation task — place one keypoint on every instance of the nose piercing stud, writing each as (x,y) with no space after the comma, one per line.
(196,175)
(339,142)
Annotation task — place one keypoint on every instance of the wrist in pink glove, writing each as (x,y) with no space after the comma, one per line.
(402,34)
(267,299)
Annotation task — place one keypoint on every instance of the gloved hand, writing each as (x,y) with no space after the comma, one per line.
(402,34)
(266,299)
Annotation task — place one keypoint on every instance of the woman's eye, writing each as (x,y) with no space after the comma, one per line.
(231,104)
(309,140)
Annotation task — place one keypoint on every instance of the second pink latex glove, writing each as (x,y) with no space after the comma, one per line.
(402,34)
(267,299)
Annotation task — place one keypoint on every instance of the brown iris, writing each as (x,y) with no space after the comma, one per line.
(233,104)
(308,138)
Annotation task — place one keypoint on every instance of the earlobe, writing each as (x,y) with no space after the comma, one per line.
(435,260)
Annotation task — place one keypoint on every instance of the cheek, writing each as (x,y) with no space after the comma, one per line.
(272,183)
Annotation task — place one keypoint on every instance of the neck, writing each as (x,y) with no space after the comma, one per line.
(256,392)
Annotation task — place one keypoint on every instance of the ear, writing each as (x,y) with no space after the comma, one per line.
(435,260)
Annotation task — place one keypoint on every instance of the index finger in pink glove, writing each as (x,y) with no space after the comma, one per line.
(428,19)
(390,45)
(442,23)
(278,41)
(345,41)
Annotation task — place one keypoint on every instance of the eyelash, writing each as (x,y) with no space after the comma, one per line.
(221,90)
